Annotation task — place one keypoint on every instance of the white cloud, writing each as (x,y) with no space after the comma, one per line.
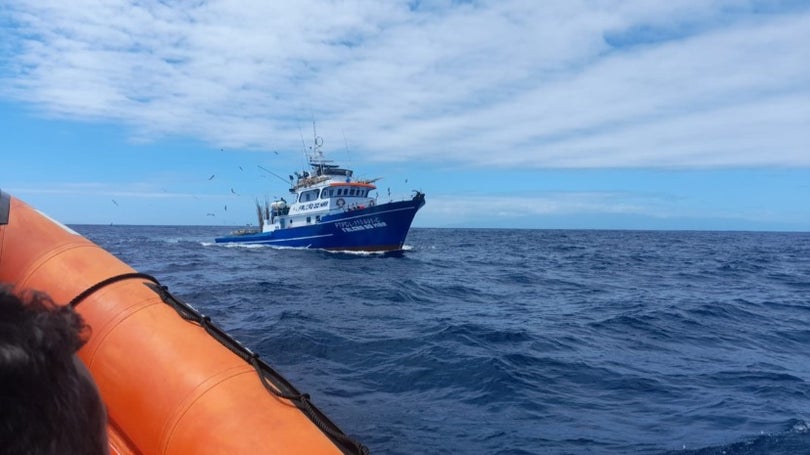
(510,83)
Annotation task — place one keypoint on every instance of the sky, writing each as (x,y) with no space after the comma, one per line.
(558,114)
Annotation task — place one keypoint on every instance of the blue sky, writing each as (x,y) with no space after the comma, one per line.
(555,114)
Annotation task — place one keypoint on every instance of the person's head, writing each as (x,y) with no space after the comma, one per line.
(49,403)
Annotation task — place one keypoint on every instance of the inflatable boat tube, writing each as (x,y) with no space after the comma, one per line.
(173,382)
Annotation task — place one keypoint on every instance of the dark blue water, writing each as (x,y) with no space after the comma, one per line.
(520,341)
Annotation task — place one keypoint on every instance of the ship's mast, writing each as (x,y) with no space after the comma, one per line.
(316,159)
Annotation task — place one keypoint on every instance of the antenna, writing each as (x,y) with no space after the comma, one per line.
(317,143)
(304,145)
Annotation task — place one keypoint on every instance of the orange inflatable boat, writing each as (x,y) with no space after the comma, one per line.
(173,382)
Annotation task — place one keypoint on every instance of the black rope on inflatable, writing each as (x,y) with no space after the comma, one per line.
(302,402)
(271,379)
(113,279)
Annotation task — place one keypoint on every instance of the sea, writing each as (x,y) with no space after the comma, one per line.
(491,341)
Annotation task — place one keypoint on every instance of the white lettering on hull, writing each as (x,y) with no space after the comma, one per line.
(360,224)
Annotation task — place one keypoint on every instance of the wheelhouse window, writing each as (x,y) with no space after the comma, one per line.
(340,191)
(307,196)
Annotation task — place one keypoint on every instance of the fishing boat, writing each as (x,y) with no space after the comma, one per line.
(172,381)
(330,209)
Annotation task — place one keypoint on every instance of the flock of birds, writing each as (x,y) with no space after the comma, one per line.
(211,178)
(232,192)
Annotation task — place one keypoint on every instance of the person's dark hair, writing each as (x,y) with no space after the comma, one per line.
(48,402)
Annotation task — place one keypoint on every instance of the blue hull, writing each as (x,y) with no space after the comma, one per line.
(378,228)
